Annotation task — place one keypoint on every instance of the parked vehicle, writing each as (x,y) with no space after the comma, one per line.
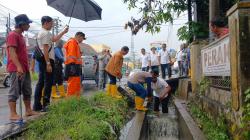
(4,76)
(88,72)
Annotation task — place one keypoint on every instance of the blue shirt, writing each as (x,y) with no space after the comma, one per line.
(59,54)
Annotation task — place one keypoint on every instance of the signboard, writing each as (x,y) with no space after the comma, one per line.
(216,58)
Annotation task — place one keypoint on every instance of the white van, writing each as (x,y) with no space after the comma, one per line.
(4,75)
(88,72)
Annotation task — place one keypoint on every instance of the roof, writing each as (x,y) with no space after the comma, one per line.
(87,49)
(99,47)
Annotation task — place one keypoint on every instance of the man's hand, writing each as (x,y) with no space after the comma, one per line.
(32,69)
(19,70)
(66,29)
(49,68)
(163,97)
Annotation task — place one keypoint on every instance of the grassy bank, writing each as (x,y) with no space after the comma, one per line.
(85,119)
(213,129)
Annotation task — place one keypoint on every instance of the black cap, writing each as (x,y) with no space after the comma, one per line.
(46,19)
(22,19)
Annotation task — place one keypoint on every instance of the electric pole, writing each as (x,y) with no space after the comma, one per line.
(132,49)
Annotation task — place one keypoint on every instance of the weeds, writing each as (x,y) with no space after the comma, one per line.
(81,119)
(213,129)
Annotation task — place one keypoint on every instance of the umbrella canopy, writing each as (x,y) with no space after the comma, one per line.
(85,10)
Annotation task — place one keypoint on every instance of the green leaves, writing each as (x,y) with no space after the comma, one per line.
(192,29)
(213,129)
(158,11)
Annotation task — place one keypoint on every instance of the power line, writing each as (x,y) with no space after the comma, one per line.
(100,27)
(106,34)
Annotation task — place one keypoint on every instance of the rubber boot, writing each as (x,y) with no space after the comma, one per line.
(53,92)
(139,104)
(108,89)
(61,90)
(114,92)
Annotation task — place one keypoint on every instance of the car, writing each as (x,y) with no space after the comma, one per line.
(4,75)
(88,72)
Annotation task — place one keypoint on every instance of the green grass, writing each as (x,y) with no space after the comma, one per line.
(85,119)
(213,129)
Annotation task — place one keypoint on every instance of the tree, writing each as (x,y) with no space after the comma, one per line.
(158,12)
(155,13)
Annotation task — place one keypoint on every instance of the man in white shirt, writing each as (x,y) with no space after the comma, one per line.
(145,60)
(164,59)
(179,60)
(154,61)
(161,94)
(45,40)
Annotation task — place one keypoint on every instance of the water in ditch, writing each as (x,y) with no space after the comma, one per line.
(164,127)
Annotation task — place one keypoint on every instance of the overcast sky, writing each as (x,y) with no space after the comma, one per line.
(115,13)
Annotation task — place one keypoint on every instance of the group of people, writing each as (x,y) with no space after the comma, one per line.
(157,60)
(50,66)
(136,82)
(101,75)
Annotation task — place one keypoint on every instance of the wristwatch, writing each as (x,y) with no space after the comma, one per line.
(48,63)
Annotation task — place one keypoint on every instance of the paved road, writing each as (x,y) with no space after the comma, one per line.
(89,89)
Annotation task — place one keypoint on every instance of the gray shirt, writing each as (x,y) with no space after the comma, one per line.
(45,37)
(102,63)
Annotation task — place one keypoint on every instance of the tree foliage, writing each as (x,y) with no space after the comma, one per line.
(157,12)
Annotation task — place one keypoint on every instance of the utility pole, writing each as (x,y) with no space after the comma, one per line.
(8,25)
(214,10)
(189,5)
(133,49)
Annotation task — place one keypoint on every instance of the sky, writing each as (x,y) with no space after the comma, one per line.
(114,13)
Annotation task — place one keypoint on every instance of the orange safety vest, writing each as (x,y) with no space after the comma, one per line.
(72,52)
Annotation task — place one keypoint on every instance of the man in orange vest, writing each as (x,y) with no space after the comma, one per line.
(73,64)
(114,68)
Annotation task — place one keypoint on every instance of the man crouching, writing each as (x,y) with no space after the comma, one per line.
(136,81)
(161,94)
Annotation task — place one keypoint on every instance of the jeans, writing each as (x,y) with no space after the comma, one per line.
(58,76)
(145,69)
(155,68)
(112,80)
(163,70)
(45,81)
(139,89)
(164,104)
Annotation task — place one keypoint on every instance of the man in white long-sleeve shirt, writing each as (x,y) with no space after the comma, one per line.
(145,60)
(164,59)
(154,61)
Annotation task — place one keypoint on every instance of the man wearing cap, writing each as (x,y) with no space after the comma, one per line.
(45,41)
(18,67)
(154,61)
(73,62)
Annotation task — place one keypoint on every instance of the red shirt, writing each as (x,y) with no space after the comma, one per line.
(17,41)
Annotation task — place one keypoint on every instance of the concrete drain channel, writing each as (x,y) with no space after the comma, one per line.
(176,125)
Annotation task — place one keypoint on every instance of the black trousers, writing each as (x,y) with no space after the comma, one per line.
(164,104)
(58,73)
(45,81)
